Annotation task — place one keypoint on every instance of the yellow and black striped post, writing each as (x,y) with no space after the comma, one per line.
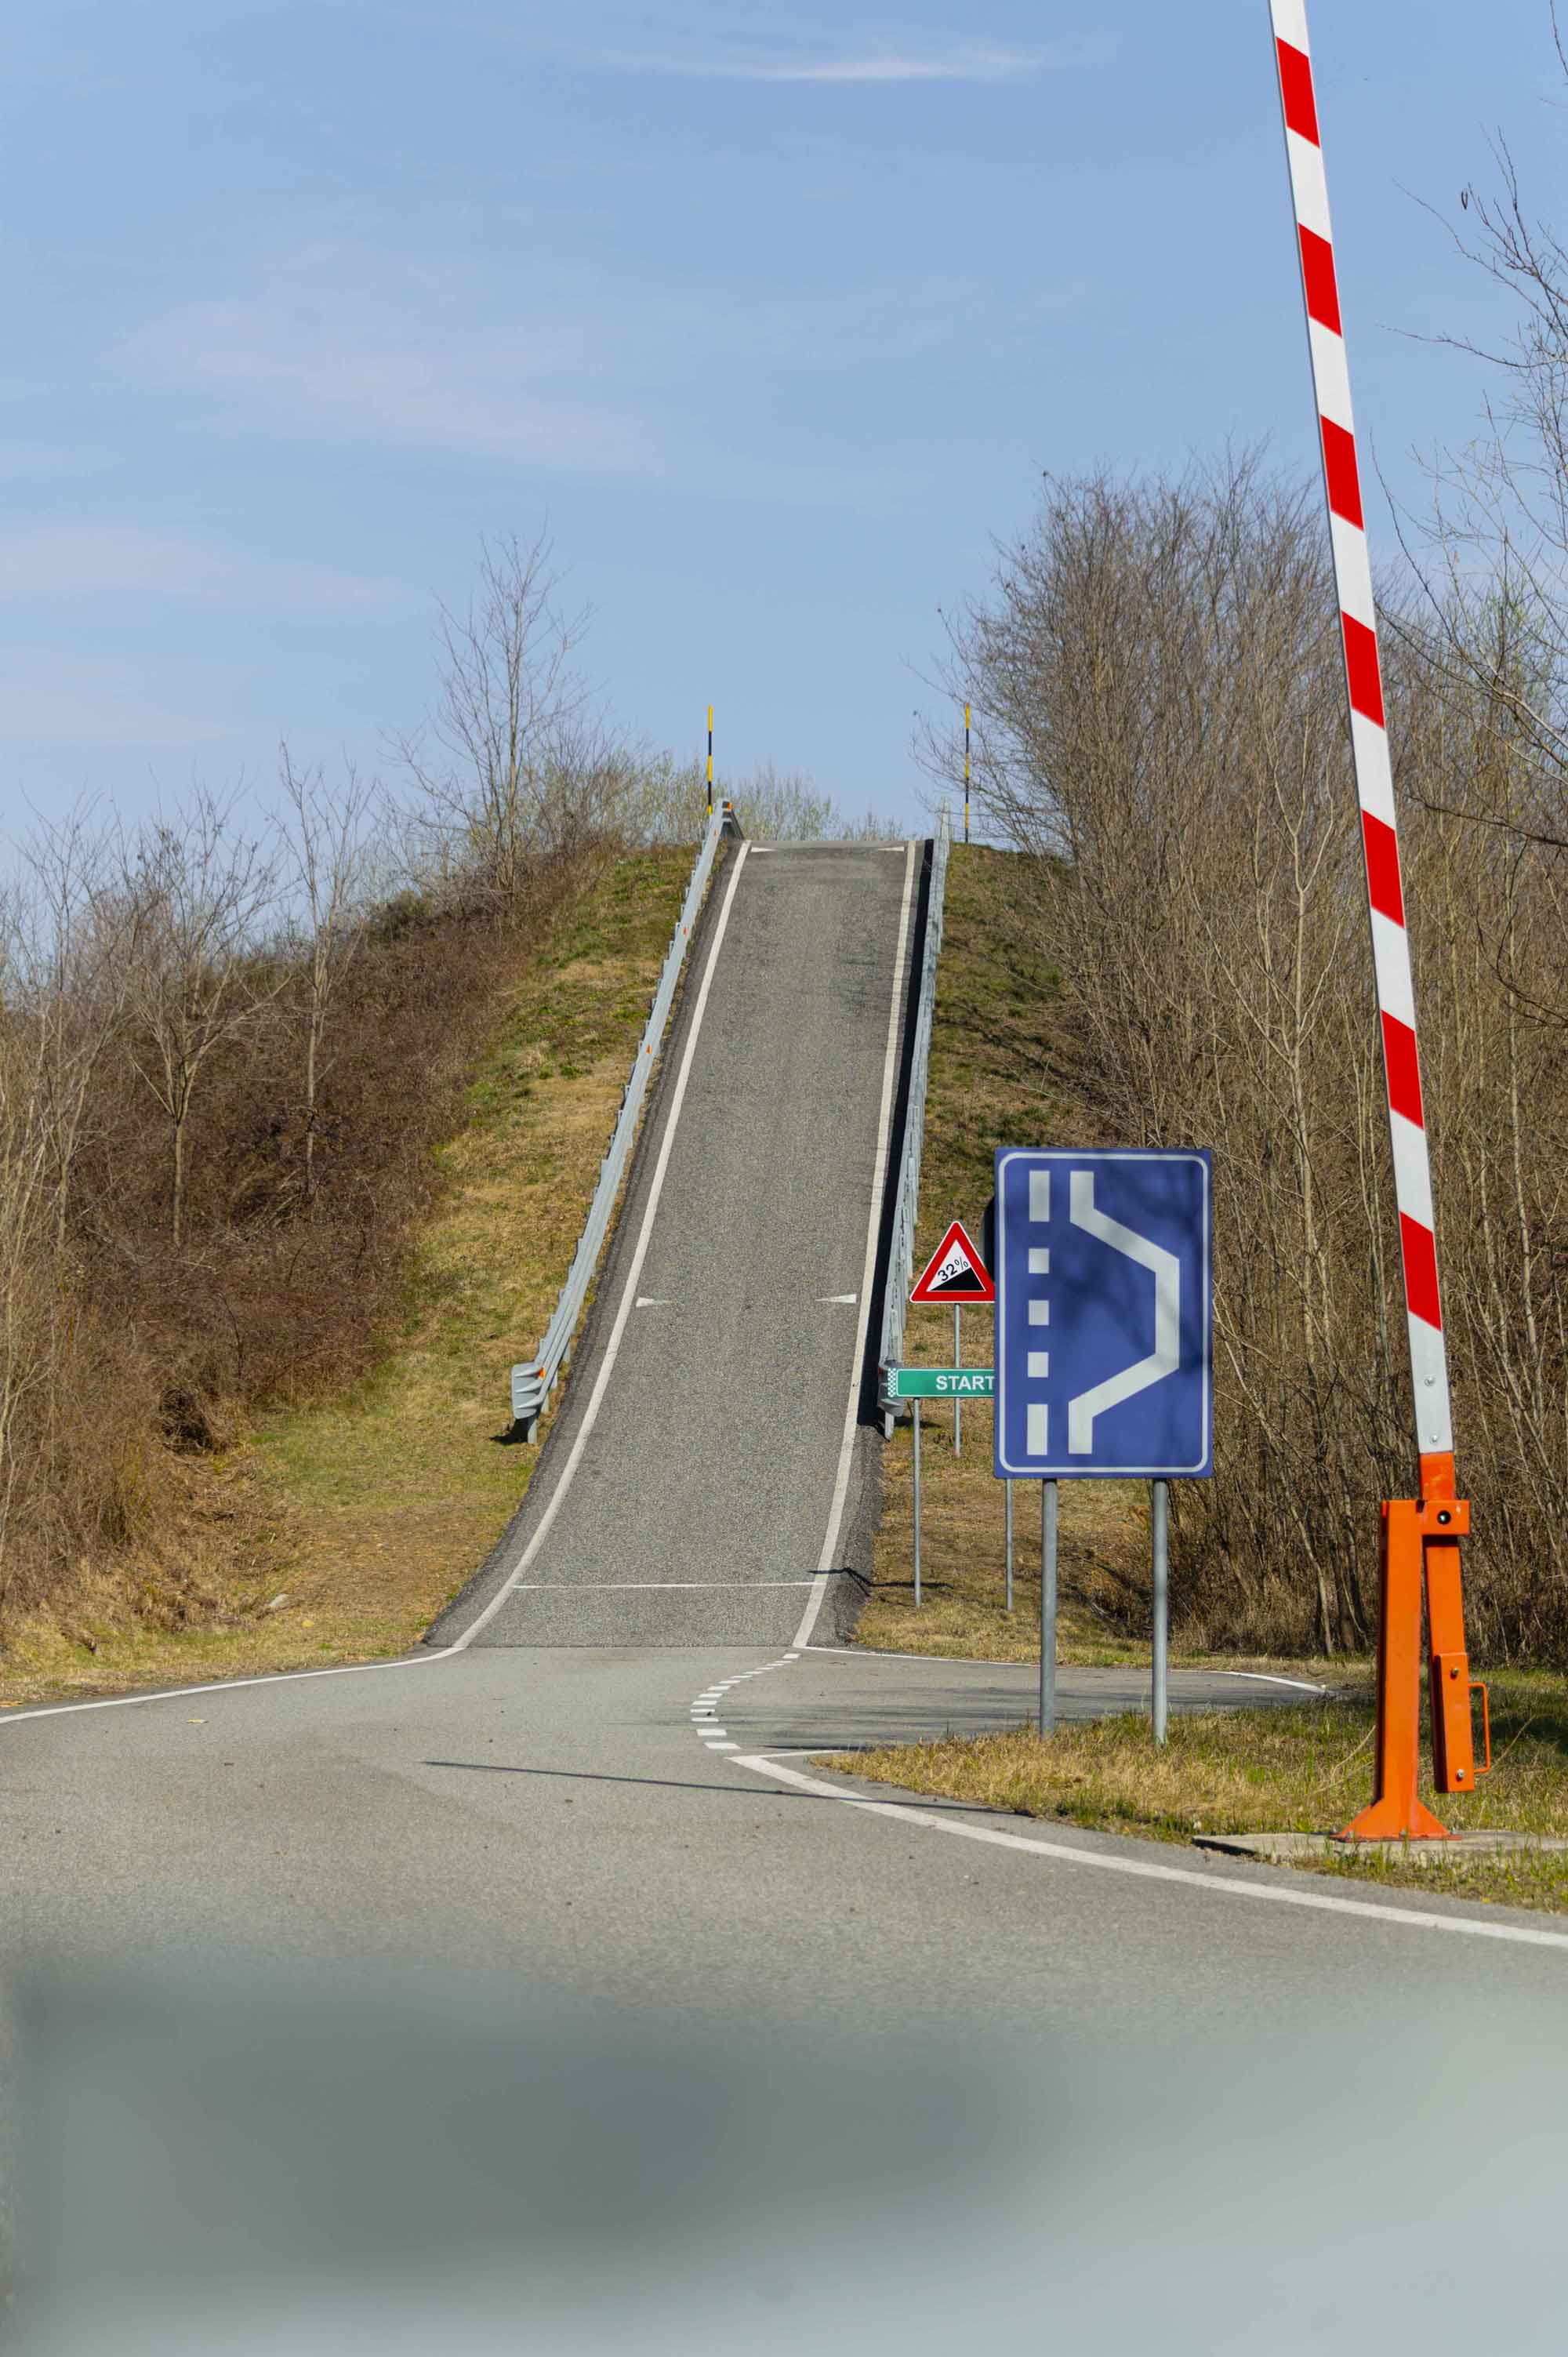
(966,773)
(710,761)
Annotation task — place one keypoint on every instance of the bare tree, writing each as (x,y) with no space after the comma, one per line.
(330,853)
(199,891)
(69,951)
(501,768)
(30,1325)
(1492,554)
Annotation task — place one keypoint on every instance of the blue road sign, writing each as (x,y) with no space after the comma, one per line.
(1103,1314)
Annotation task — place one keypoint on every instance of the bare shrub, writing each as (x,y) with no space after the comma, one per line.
(667,802)
(329,848)
(196,892)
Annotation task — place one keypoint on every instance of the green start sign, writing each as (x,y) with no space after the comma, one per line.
(940,1382)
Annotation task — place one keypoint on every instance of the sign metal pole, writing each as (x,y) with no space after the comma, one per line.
(957,1361)
(1008,1503)
(966,773)
(1159,1520)
(917,1407)
(1048,1608)
(710,761)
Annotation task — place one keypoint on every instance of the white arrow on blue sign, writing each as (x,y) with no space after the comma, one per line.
(1104,1314)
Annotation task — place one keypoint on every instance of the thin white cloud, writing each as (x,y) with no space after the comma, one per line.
(87,702)
(854,57)
(64,562)
(539,366)
(979,61)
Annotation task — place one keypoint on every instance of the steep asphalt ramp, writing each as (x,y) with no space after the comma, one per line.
(708,1480)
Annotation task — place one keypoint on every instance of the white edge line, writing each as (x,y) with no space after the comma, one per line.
(1266,1678)
(879,1178)
(646,1587)
(1226,1886)
(629,1289)
(982,1661)
(222,1685)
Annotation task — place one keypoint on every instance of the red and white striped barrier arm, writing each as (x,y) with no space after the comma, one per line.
(1374,776)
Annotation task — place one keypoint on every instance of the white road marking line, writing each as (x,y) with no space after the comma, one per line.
(978,1662)
(653,1301)
(642,1586)
(879,1174)
(1215,1882)
(965,1660)
(1264,1678)
(629,1295)
(222,1685)
(705,1709)
(849,1299)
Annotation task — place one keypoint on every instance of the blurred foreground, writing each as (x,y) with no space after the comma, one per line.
(231,2164)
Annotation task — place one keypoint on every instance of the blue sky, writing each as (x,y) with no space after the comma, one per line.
(775,319)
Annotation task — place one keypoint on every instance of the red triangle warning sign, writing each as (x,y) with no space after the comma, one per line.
(955,1272)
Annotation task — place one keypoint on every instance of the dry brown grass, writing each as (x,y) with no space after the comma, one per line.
(333,1529)
(1306,1770)
(1102,1551)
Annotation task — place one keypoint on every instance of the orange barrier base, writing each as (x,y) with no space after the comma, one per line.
(1419,1560)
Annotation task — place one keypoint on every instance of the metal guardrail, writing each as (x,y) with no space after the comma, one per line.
(533,1383)
(901,1254)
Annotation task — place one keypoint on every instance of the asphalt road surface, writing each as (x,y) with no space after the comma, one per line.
(596,1781)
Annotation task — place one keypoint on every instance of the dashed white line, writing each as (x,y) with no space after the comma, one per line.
(705,1709)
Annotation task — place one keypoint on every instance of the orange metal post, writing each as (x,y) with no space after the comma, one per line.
(1395,1810)
(1447,1522)
(1420,1555)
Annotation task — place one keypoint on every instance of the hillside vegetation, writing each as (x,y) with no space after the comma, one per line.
(325,1511)
(1166,754)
